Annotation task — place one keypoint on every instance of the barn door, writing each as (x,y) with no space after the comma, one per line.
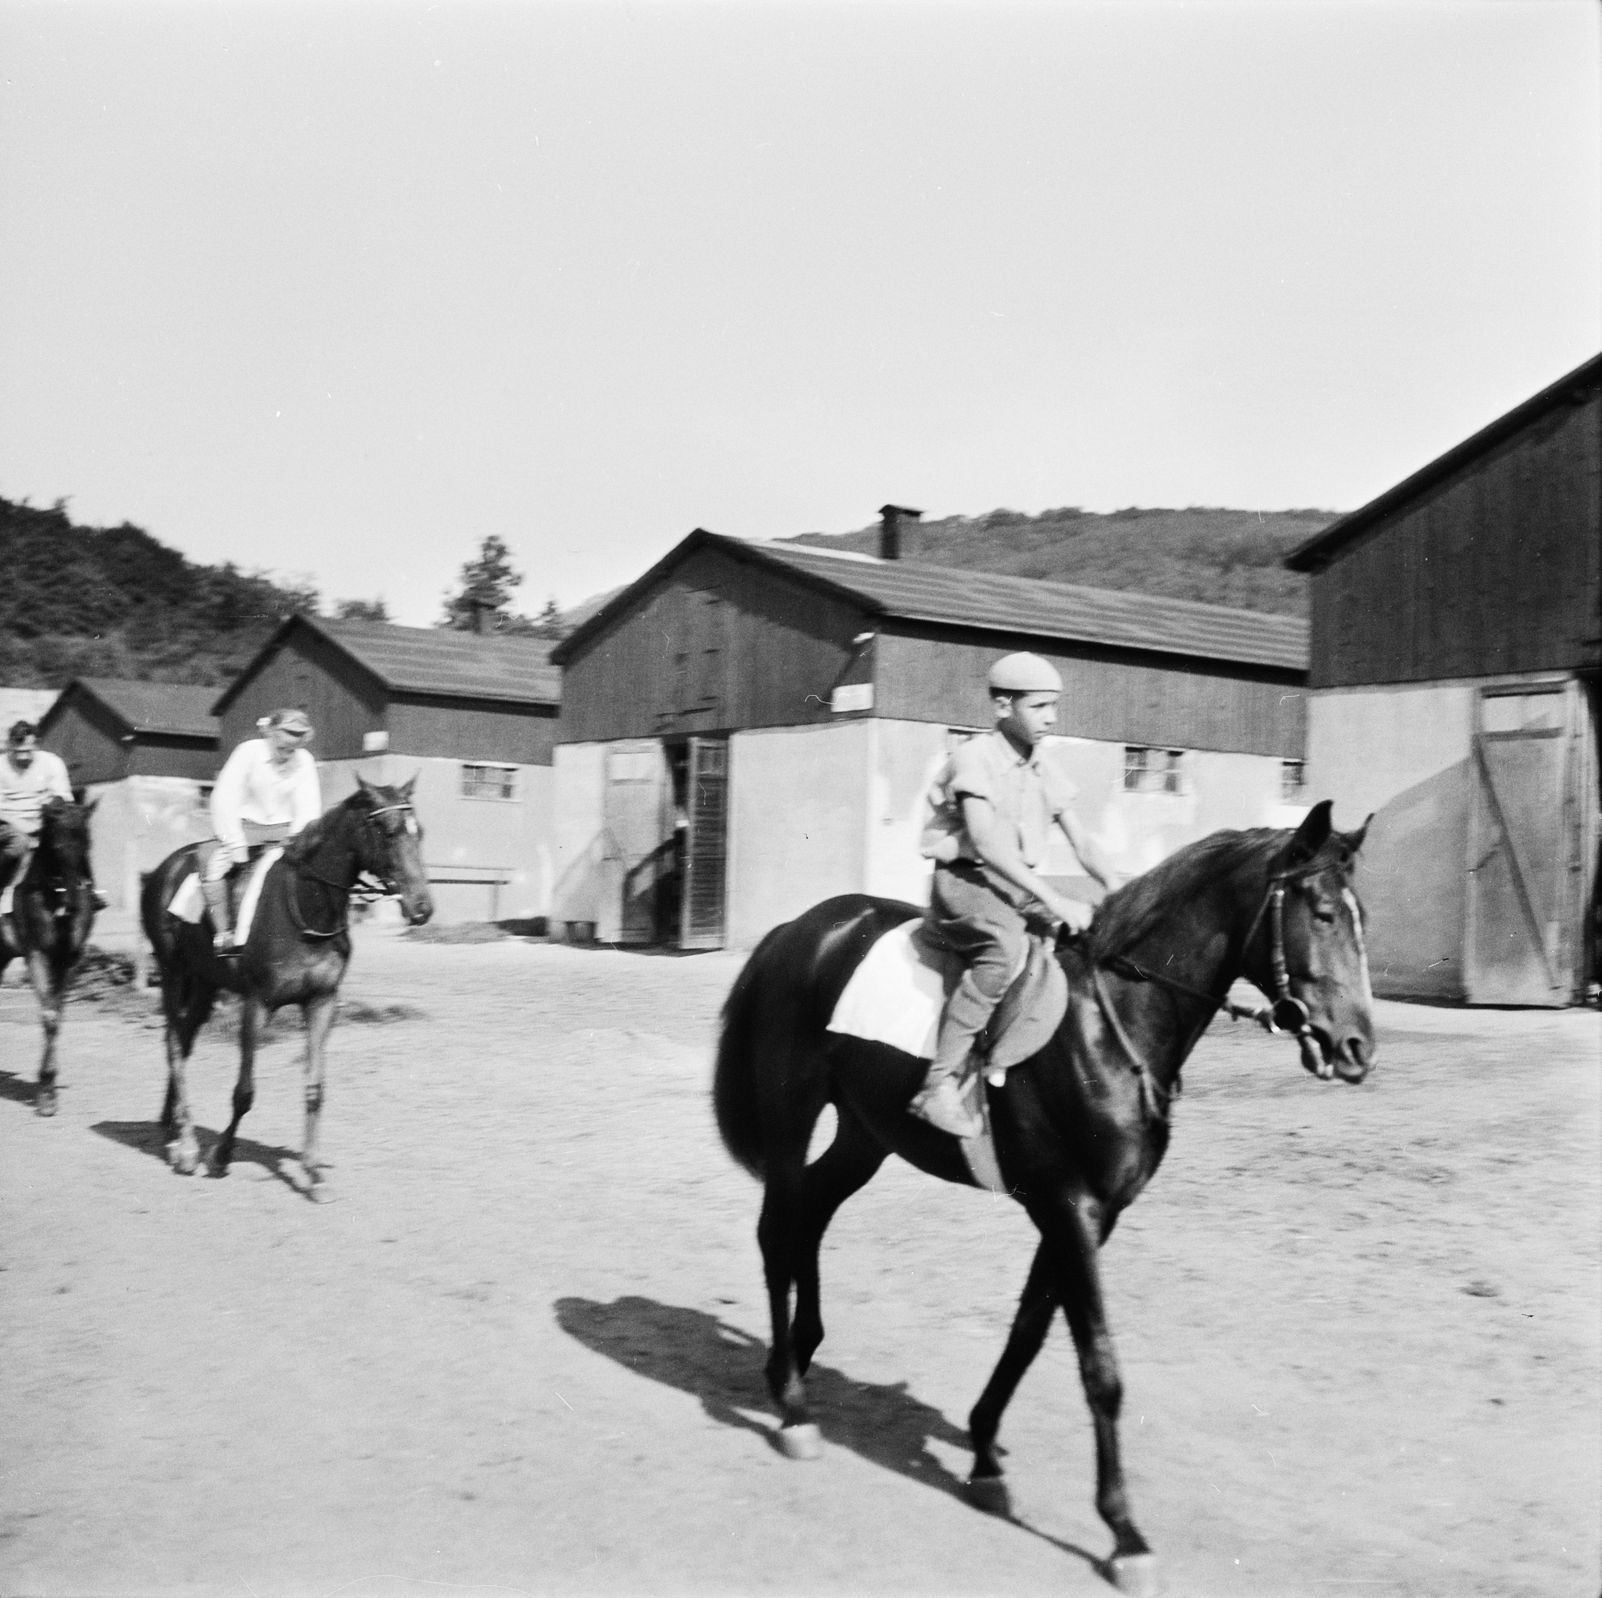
(1525,839)
(706,803)
(639,832)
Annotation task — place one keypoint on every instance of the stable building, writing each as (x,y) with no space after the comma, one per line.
(1456,653)
(146,754)
(752,727)
(472,716)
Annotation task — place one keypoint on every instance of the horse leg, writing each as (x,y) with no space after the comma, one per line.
(252,1019)
(1072,1227)
(48,984)
(845,1167)
(987,1486)
(319,1014)
(187,1003)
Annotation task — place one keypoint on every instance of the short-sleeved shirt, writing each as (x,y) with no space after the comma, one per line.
(23,793)
(1026,793)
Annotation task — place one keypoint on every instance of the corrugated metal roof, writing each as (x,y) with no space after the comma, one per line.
(434,660)
(172,709)
(959,596)
(1317,552)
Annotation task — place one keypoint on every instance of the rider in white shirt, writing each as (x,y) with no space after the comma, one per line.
(29,776)
(266,792)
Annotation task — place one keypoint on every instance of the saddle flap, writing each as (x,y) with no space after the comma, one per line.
(1029,1012)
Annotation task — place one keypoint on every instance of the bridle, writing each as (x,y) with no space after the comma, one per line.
(380,884)
(1285,1015)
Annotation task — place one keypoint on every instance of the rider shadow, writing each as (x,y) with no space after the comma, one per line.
(147,1138)
(721,1366)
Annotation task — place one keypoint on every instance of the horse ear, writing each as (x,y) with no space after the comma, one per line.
(1312,835)
(407,786)
(90,808)
(1354,840)
(365,786)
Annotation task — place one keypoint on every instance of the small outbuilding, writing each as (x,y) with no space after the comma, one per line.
(146,753)
(751,727)
(1456,657)
(472,716)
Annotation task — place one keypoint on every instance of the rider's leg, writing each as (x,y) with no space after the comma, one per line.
(214,885)
(968,917)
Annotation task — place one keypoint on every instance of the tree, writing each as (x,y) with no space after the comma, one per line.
(362,609)
(486,585)
(551,623)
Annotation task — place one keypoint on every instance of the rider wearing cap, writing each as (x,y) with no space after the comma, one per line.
(993,806)
(266,792)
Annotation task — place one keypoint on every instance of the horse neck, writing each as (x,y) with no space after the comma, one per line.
(332,855)
(1202,945)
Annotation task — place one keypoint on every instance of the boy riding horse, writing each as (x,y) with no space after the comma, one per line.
(994,804)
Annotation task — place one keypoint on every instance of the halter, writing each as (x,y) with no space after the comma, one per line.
(1285,1016)
(303,868)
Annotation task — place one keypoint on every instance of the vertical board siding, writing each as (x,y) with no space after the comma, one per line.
(1163,702)
(344,700)
(460,729)
(1496,570)
(88,739)
(719,643)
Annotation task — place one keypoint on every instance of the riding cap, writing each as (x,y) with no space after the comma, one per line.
(1024,674)
(290,720)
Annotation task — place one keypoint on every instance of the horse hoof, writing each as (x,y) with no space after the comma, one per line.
(1135,1573)
(990,1494)
(320,1192)
(803,1441)
(184,1161)
(44,1102)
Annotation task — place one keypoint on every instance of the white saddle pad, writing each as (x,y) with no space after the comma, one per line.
(896,995)
(189,903)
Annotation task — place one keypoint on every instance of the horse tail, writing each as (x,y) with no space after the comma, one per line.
(734,1084)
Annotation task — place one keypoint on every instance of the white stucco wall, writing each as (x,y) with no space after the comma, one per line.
(136,824)
(586,882)
(1403,753)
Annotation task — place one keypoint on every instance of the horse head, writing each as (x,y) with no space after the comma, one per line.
(64,841)
(391,846)
(1309,947)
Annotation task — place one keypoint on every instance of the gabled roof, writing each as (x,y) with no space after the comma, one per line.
(430,660)
(960,597)
(161,709)
(1319,551)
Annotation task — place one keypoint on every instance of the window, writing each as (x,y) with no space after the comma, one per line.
(489,782)
(1292,781)
(1153,770)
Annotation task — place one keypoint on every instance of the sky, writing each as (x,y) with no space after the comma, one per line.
(336,290)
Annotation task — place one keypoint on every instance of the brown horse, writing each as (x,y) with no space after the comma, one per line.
(52,911)
(296,953)
(1079,1129)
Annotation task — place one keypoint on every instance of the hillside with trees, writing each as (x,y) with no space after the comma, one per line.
(1216,556)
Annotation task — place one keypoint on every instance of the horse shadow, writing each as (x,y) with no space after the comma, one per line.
(147,1137)
(18,1088)
(721,1366)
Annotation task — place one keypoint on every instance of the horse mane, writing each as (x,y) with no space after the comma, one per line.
(1127,915)
(315,834)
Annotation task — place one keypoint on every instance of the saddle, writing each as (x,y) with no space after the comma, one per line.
(242,885)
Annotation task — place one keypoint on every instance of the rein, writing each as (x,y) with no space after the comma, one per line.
(1286,1015)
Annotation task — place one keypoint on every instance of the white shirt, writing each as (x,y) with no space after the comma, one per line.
(252,787)
(23,793)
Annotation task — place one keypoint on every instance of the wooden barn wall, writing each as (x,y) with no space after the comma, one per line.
(1496,570)
(475,730)
(89,739)
(1157,701)
(153,755)
(342,700)
(720,643)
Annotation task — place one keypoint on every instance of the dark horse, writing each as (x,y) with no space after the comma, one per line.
(1079,1129)
(296,953)
(51,913)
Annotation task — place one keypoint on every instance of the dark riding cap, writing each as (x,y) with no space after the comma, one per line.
(21,732)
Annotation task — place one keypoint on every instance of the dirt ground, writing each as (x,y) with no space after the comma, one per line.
(1360,1328)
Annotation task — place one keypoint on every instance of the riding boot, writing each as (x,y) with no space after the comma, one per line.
(942,1102)
(221,920)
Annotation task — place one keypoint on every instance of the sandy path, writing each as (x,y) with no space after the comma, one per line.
(1361,1330)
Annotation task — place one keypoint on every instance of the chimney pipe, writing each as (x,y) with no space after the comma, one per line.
(476,610)
(890,529)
